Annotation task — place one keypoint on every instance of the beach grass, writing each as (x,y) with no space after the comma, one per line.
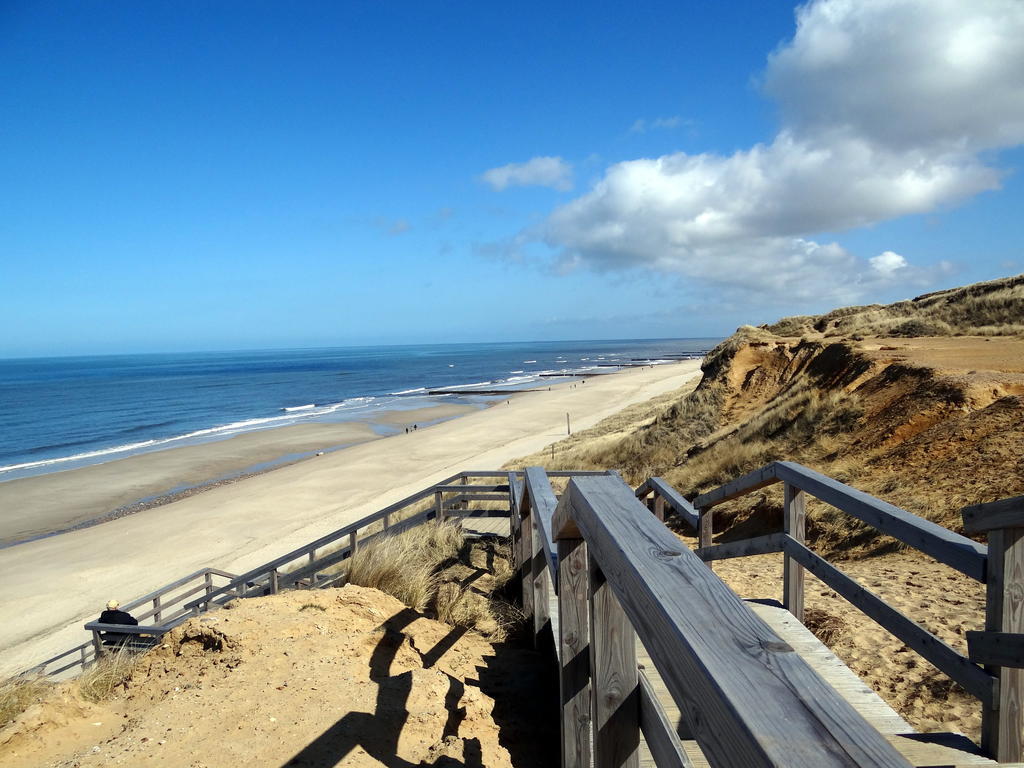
(102,679)
(18,694)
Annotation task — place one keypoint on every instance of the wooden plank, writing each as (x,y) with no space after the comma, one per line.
(659,508)
(472,514)
(471,488)
(759,545)
(706,530)
(1005,513)
(676,501)
(539,567)
(526,553)
(544,504)
(749,699)
(658,731)
(452,504)
(563,526)
(574,653)
(168,587)
(1002,649)
(968,557)
(751,481)
(794,519)
(616,704)
(978,683)
(1003,723)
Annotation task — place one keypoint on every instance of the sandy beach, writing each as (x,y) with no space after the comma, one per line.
(54,584)
(37,506)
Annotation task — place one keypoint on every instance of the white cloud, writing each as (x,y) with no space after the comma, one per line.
(885,106)
(551,172)
(939,75)
(887,262)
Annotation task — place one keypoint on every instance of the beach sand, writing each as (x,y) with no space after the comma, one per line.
(55,584)
(35,506)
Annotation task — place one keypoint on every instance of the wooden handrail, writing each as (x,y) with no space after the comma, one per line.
(543,503)
(710,648)
(674,499)
(129,629)
(959,552)
(741,486)
(993,515)
(174,585)
(972,677)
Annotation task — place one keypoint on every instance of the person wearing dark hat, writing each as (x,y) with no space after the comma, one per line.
(113,615)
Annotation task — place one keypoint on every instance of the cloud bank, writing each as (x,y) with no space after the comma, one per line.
(553,172)
(886,108)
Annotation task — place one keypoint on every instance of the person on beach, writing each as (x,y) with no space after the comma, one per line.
(114,615)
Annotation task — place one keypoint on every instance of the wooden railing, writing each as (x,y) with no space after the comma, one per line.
(301,568)
(999,687)
(621,575)
(165,608)
(304,567)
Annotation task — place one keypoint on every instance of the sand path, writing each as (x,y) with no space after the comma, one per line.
(52,586)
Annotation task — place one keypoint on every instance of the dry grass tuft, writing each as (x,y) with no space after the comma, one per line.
(113,670)
(433,568)
(19,694)
(405,566)
(826,627)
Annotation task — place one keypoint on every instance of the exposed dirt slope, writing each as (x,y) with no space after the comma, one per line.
(347,676)
(929,424)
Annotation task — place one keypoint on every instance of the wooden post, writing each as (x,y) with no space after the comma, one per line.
(659,507)
(526,553)
(568,428)
(616,702)
(1001,727)
(156,610)
(574,652)
(97,644)
(538,568)
(387,521)
(209,582)
(275,584)
(352,544)
(794,524)
(439,506)
(705,528)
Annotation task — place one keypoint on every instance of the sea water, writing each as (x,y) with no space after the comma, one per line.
(62,413)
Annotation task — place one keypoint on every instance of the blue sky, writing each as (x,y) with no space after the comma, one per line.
(194,175)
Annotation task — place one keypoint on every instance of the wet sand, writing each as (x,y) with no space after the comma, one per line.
(62,501)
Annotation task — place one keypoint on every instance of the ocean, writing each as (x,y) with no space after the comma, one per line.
(63,413)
